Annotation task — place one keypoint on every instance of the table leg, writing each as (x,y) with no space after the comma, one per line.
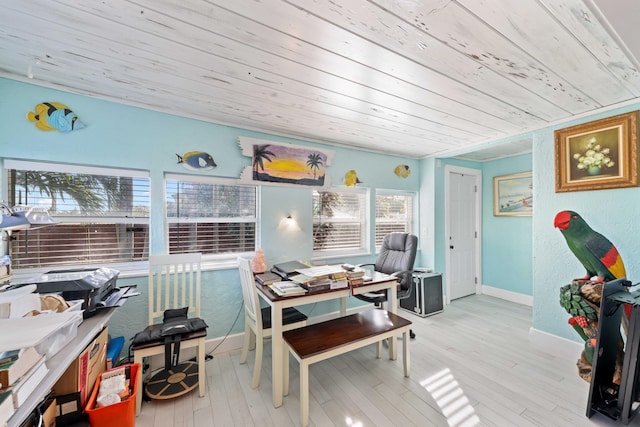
(277,355)
(405,352)
(343,306)
(393,307)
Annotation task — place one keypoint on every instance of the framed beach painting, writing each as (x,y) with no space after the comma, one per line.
(513,195)
(285,164)
(598,155)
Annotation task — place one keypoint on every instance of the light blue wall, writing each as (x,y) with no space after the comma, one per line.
(127,137)
(507,247)
(426,256)
(613,213)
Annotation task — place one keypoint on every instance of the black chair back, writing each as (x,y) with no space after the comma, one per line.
(398,254)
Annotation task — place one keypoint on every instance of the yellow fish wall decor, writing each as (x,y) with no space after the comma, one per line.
(402,171)
(54,116)
(351,179)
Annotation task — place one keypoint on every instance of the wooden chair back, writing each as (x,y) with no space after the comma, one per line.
(249,293)
(174,282)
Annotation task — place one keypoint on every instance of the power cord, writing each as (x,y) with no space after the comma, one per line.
(209,355)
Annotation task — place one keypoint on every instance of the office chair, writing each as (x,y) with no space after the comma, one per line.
(174,282)
(257,321)
(397,256)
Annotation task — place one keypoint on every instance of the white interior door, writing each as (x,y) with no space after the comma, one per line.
(462,234)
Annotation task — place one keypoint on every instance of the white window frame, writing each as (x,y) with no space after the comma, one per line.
(131,267)
(411,223)
(213,261)
(364,248)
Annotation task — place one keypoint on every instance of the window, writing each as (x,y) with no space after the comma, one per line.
(103,214)
(339,221)
(210,217)
(394,213)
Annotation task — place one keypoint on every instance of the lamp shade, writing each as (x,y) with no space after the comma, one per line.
(14,221)
(22,217)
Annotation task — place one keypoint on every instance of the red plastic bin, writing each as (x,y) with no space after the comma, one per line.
(122,414)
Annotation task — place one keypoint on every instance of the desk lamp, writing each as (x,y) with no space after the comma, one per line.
(20,217)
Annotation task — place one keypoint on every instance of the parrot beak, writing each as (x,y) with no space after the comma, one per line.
(562,220)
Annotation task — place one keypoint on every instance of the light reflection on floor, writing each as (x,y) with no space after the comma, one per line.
(351,423)
(447,393)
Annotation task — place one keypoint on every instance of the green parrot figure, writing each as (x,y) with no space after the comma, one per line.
(596,253)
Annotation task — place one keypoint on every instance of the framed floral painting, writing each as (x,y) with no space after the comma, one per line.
(598,155)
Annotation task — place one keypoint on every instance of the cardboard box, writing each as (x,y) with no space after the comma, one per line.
(82,373)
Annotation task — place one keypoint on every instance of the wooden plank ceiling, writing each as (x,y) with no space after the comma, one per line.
(414,78)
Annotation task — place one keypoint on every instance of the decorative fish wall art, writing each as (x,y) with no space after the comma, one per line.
(197,160)
(54,116)
(402,171)
(351,178)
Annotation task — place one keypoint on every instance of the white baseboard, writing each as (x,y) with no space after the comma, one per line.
(548,343)
(508,295)
(230,343)
(555,345)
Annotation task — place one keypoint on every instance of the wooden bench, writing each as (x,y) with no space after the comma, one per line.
(321,341)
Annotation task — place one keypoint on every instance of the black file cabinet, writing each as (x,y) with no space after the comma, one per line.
(426,295)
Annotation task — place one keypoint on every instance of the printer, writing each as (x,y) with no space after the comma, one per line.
(95,287)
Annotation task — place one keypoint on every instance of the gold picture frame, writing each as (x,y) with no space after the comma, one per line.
(598,155)
(513,194)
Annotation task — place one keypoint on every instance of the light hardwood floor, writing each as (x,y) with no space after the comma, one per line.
(470,365)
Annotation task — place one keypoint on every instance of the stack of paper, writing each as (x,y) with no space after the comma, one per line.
(287,288)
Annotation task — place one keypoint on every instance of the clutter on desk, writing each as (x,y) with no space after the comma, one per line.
(6,407)
(11,372)
(286,269)
(267,278)
(287,288)
(96,287)
(17,303)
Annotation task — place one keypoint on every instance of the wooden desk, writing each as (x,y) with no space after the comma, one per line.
(379,282)
(58,364)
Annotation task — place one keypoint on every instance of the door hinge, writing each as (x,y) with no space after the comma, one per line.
(475,280)
(475,188)
(475,234)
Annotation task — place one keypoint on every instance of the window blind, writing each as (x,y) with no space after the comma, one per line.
(103,218)
(339,220)
(210,218)
(394,213)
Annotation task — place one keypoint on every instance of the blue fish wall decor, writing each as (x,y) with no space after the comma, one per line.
(197,161)
(54,116)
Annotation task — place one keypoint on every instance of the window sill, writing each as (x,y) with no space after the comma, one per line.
(319,256)
(127,270)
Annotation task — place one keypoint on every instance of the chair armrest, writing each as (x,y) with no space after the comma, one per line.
(399,273)
(364,265)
